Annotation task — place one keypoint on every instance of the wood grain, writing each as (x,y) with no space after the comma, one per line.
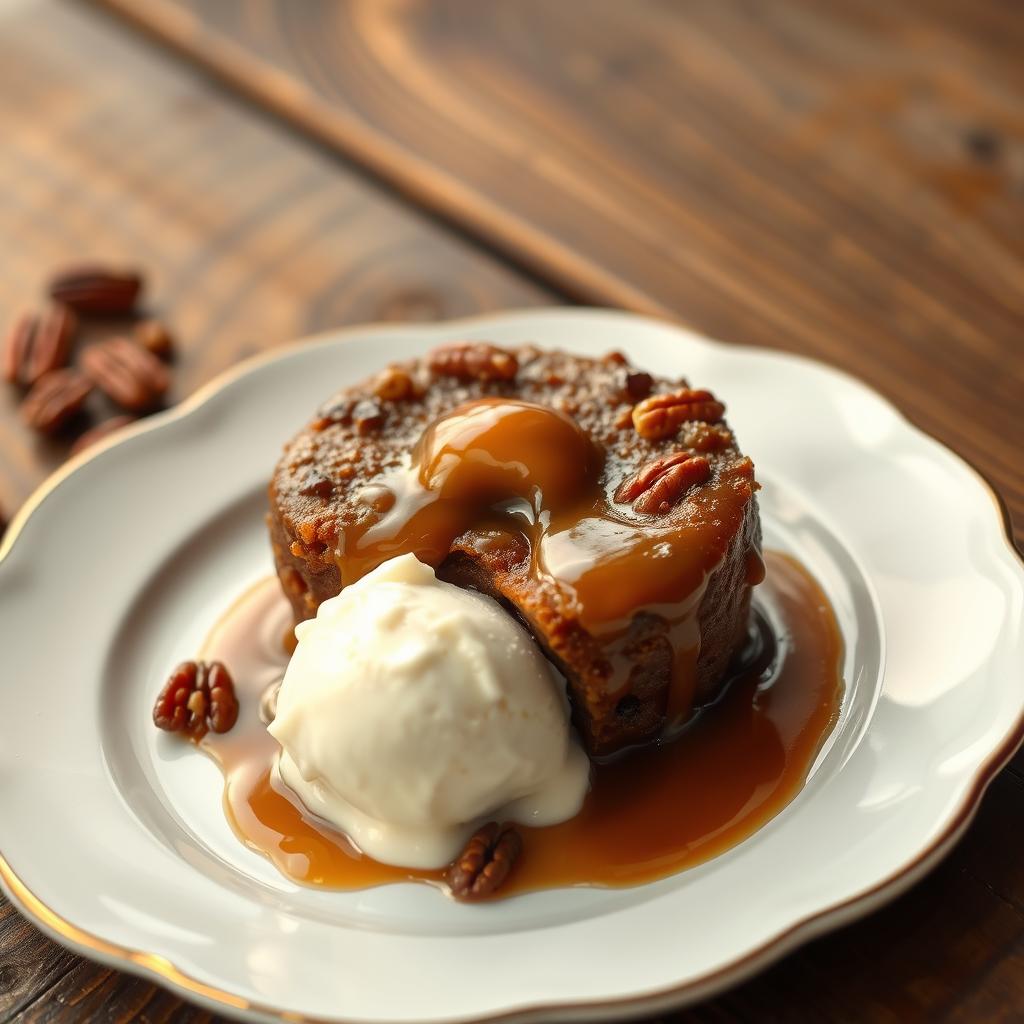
(90,994)
(250,237)
(29,963)
(844,180)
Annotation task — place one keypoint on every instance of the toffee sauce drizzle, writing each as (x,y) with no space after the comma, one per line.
(520,485)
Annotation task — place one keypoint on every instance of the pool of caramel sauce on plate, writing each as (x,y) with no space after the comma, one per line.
(650,812)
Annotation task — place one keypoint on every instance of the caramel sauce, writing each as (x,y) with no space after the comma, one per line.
(650,812)
(521,484)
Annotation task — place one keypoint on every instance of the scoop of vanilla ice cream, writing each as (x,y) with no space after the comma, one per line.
(412,710)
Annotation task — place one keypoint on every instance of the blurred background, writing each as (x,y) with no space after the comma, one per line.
(842,179)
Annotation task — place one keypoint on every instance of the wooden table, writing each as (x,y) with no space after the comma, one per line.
(844,180)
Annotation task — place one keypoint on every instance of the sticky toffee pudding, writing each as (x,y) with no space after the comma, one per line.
(610,513)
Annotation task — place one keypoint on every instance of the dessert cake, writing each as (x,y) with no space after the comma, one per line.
(609,510)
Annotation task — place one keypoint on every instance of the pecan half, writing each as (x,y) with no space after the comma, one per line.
(473,360)
(54,399)
(662,482)
(127,373)
(661,416)
(485,862)
(632,487)
(96,289)
(155,338)
(37,344)
(100,431)
(198,696)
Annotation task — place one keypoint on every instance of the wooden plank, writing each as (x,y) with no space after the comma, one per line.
(29,963)
(996,996)
(90,994)
(251,237)
(843,180)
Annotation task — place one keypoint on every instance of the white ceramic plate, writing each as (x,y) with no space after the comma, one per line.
(114,841)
